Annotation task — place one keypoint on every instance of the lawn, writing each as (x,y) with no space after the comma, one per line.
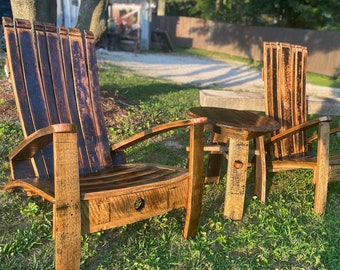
(283,233)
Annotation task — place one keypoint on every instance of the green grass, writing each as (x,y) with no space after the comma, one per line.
(323,80)
(2,63)
(283,233)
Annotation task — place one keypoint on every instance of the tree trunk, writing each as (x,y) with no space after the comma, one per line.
(95,21)
(92,13)
(35,10)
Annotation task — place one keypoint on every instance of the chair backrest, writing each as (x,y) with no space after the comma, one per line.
(284,75)
(55,80)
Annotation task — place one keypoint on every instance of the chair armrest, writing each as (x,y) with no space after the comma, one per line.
(146,134)
(37,140)
(20,156)
(334,130)
(315,137)
(298,128)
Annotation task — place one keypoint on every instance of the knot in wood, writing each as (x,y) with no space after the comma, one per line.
(238,164)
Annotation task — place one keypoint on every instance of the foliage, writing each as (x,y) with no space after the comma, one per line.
(179,7)
(316,14)
(10,136)
(2,64)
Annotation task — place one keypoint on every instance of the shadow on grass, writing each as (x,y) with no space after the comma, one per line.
(136,87)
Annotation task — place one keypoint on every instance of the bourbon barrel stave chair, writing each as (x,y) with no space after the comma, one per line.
(65,156)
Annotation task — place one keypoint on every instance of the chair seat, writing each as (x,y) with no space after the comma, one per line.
(310,160)
(110,182)
(124,179)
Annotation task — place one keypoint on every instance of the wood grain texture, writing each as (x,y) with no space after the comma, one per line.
(66,207)
(284,74)
(260,170)
(65,156)
(236,179)
(235,127)
(322,174)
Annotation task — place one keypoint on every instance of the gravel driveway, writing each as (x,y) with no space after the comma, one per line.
(196,70)
(200,71)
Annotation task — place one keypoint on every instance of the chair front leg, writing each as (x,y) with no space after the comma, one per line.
(66,209)
(196,182)
(322,172)
(260,169)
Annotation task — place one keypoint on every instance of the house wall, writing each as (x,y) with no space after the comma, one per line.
(247,41)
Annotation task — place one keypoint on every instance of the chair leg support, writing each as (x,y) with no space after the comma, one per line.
(260,170)
(195,188)
(66,209)
(322,170)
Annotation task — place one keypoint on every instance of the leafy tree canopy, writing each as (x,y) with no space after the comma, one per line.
(309,14)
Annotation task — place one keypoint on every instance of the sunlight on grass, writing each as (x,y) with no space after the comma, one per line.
(322,80)
(283,233)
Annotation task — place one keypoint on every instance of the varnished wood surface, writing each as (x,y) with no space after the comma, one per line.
(237,119)
(298,128)
(65,156)
(237,127)
(113,180)
(34,142)
(284,74)
(146,134)
(236,179)
(237,124)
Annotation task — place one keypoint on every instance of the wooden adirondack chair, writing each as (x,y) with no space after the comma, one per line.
(284,74)
(65,157)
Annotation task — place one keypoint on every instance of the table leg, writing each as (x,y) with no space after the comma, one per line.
(236,178)
(215,160)
(214,168)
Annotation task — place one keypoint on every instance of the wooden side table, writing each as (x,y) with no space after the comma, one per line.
(238,127)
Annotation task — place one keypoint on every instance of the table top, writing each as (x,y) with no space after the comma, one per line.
(235,119)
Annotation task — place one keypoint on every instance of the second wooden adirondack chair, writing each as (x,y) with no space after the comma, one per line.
(284,74)
(65,157)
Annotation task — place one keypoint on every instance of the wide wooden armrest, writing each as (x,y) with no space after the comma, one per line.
(146,134)
(298,128)
(37,140)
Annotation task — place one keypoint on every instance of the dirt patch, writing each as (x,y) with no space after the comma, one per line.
(7,102)
(114,106)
